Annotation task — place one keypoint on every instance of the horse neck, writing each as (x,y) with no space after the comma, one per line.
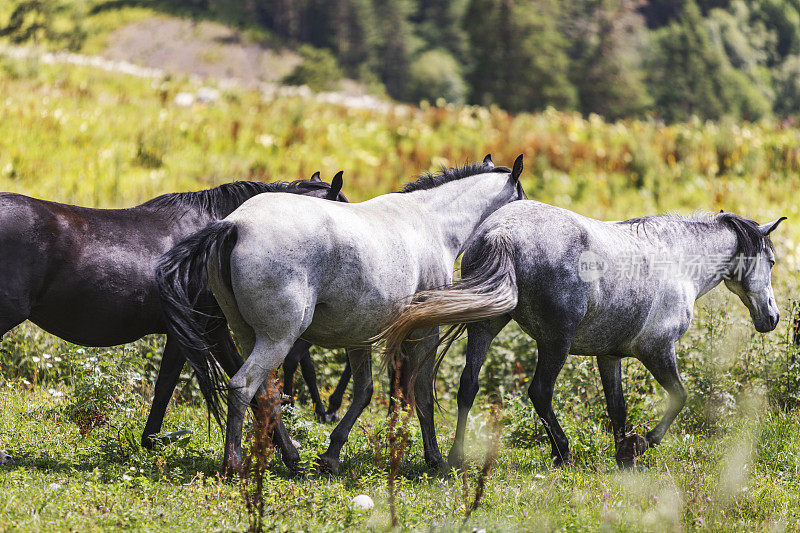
(456,208)
(714,246)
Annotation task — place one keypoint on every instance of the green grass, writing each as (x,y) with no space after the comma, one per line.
(743,477)
(729,463)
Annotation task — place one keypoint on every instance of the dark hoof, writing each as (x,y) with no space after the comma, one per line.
(327,465)
(564,462)
(6,459)
(438,464)
(629,448)
(296,470)
(331,417)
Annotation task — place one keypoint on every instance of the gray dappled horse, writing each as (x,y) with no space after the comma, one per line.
(284,267)
(88,275)
(587,287)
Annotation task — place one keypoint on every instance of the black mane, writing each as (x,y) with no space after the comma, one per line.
(221,201)
(749,237)
(446,175)
(750,240)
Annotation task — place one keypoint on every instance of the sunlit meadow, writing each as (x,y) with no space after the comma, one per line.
(730,462)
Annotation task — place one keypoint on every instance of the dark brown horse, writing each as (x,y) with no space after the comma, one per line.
(88,275)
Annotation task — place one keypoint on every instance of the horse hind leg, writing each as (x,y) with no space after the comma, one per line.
(421,350)
(552,356)
(248,380)
(479,337)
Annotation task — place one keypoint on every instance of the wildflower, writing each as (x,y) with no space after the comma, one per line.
(126,477)
(46,356)
(35,359)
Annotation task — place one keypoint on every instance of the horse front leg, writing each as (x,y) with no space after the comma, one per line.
(361,364)
(169,373)
(627,446)
(335,401)
(479,337)
(310,377)
(664,368)
(552,356)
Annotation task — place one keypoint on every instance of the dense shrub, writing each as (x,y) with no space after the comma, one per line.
(436,74)
(318,70)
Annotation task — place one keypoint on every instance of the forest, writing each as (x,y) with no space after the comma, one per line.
(616,58)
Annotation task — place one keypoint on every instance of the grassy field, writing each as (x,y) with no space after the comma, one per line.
(84,136)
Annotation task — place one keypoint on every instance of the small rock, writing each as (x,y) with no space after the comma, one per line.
(362,502)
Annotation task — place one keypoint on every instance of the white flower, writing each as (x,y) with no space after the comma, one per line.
(46,355)
(80,350)
(55,393)
(184,99)
(126,477)
(49,365)
(57,359)
(54,486)
(35,359)
(266,140)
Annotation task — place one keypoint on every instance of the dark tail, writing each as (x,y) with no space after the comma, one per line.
(190,309)
(490,290)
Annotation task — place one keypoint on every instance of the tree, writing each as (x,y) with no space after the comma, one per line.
(690,75)
(396,44)
(606,69)
(436,74)
(519,56)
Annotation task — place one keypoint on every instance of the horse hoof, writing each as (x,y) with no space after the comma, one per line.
(331,417)
(630,447)
(564,462)
(327,465)
(438,464)
(6,459)
(640,444)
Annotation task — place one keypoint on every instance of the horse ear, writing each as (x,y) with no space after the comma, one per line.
(766,229)
(517,170)
(315,177)
(336,186)
(488,160)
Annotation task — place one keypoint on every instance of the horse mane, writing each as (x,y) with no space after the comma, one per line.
(221,201)
(750,241)
(446,175)
(749,238)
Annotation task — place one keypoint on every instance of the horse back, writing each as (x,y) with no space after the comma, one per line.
(84,274)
